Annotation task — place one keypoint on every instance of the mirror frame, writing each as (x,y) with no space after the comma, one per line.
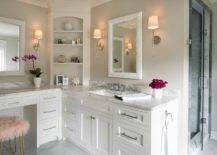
(21,24)
(138,74)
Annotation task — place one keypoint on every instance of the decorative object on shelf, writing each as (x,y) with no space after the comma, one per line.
(73,42)
(64,41)
(61,59)
(37,39)
(97,34)
(153,24)
(59,80)
(59,41)
(75,81)
(31,59)
(75,60)
(68,26)
(157,85)
(78,41)
(65,81)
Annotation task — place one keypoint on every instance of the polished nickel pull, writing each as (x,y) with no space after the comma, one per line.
(133,117)
(46,112)
(49,128)
(127,136)
(48,98)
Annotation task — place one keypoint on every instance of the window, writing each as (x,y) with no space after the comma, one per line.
(2,55)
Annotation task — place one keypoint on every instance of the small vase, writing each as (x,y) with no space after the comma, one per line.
(37,82)
(157,93)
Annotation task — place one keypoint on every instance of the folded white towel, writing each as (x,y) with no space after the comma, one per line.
(131,97)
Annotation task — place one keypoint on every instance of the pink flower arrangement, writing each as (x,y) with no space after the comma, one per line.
(158,84)
(30,58)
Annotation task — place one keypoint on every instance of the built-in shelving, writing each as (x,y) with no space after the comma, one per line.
(73,31)
(68,63)
(71,46)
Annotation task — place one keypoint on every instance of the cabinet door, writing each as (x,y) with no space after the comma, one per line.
(86,129)
(102,135)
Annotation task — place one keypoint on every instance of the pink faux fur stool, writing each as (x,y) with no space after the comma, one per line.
(10,129)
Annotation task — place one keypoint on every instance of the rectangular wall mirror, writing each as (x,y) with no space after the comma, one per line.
(125,47)
(12,44)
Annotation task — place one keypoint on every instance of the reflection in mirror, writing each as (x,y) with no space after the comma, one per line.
(9,46)
(124,52)
(125,47)
(12,44)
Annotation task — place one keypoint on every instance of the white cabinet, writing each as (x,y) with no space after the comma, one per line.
(107,128)
(86,129)
(102,135)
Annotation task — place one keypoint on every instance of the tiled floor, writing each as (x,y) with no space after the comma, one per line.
(209,149)
(53,148)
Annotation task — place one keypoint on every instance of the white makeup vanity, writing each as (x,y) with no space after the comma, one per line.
(41,107)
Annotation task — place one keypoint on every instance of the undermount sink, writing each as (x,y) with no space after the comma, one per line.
(103,92)
(109,93)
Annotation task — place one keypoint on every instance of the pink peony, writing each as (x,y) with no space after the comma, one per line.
(158,84)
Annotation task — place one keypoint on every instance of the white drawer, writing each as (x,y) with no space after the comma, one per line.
(48,110)
(48,128)
(129,135)
(13,102)
(132,116)
(50,97)
(120,149)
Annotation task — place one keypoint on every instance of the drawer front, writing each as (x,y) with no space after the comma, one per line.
(129,135)
(132,116)
(11,102)
(50,97)
(120,149)
(48,110)
(48,128)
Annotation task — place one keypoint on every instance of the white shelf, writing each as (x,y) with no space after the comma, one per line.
(72,45)
(68,63)
(73,31)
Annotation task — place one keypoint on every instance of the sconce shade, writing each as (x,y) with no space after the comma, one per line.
(129,46)
(97,34)
(153,23)
(38,34)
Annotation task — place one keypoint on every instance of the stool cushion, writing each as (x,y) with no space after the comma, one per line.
(11,127)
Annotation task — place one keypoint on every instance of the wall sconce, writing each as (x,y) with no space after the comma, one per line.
(37,39)
(153,24)
(128,48)
(97,34)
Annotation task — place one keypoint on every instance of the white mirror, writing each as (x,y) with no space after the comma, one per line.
(125,47)
(12,43)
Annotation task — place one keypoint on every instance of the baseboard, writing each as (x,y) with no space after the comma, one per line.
(213,135)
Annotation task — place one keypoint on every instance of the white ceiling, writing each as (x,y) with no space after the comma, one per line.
(45,3)
(9,30)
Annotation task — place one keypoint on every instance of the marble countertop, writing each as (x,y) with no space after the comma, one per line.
(146,104)
(8,91)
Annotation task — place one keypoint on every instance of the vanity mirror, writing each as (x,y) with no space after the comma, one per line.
(12,43)
(125,47)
